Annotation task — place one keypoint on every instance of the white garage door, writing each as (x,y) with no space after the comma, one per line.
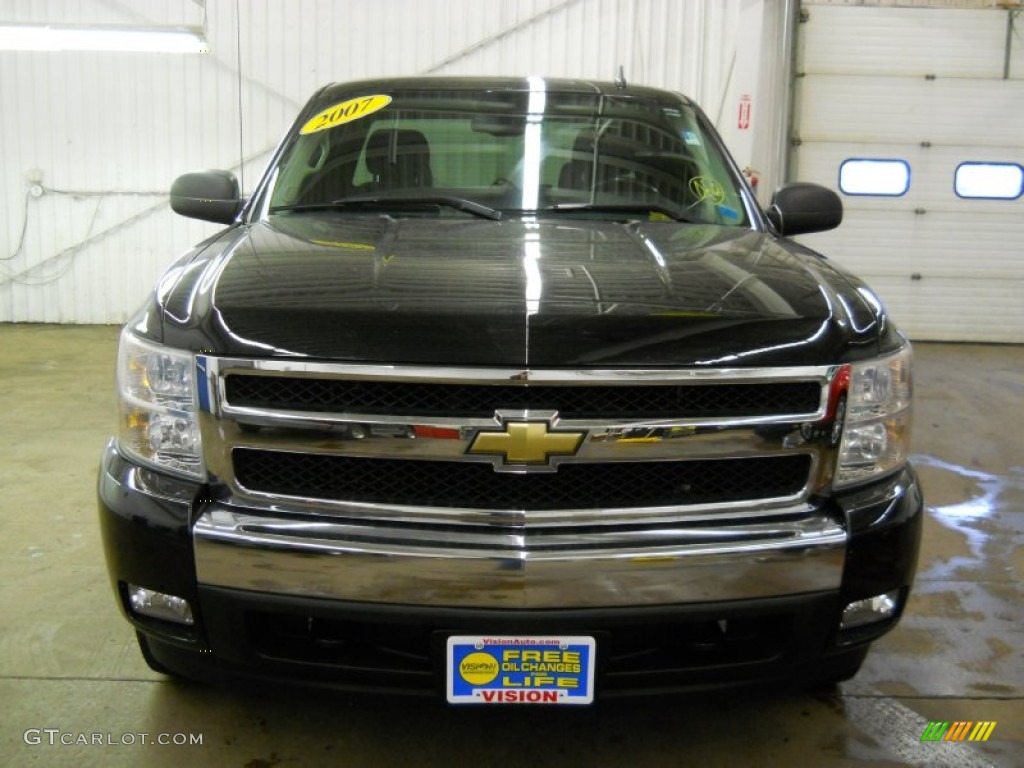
(924,89)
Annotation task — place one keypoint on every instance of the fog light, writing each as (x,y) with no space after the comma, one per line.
(877,608)
(157,605)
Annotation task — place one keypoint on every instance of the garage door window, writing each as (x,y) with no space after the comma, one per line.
(991,181)
(865,176)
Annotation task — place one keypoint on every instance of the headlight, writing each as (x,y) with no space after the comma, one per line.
(876,428)
(158,420)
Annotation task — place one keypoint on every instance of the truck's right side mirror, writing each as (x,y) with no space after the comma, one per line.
(207,195)
(802,207)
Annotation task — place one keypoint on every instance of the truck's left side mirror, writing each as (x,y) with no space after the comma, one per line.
(803,207)
(207,195)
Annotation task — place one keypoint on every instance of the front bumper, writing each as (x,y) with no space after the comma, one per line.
(359,562)
(350,612)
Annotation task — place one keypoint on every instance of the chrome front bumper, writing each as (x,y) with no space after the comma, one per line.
(356,561)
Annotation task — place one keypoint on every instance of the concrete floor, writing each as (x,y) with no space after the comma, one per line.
(68,661)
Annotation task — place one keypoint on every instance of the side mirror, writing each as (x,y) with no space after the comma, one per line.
(801,207)
(207,195)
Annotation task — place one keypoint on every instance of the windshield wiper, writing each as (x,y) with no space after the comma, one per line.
(641,208)
(390,203)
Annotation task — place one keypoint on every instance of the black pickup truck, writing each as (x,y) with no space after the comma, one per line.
(507,390)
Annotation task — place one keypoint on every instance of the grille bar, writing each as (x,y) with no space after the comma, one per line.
(478,486)
(297,393)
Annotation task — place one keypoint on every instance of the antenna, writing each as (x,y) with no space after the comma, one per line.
(620,79)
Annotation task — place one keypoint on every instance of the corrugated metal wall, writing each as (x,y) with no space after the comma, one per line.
(108,132)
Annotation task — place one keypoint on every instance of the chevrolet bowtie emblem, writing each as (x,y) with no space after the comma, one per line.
(525,442)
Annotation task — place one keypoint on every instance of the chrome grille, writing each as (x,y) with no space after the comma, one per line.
(661,444)
(358,482)
(294,393)
(473,485)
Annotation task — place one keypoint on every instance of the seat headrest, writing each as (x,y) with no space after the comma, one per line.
(399,157)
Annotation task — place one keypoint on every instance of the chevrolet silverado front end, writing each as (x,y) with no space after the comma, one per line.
(507,390)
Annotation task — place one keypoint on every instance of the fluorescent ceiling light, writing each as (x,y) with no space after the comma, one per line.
(61,37)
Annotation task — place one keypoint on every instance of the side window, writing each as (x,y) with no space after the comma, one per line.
(989,181)
(872,176)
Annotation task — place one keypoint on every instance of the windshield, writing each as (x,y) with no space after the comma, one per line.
(495,153)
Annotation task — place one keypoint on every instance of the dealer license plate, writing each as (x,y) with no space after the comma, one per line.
(520,670)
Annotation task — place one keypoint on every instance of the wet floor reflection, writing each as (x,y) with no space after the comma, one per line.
(983,508)
(962,627)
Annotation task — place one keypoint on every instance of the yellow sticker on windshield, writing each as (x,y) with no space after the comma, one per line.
(705,188)
(346,112)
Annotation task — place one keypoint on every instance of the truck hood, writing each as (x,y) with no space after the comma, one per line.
(518,293)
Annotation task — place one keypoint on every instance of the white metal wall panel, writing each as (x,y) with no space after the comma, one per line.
(103,129)
(118,127)
(905,42)
(925,86)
